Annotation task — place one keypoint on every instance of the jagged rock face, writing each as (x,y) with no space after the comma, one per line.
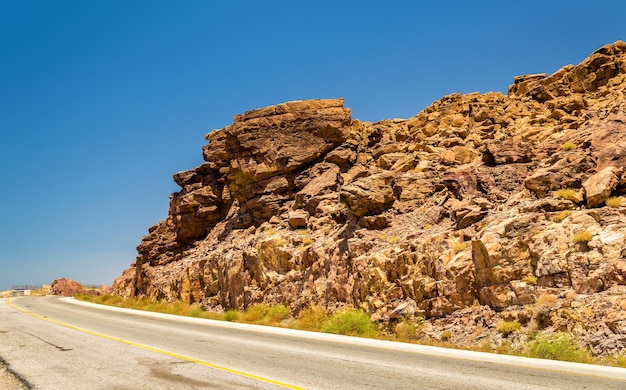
(451,215)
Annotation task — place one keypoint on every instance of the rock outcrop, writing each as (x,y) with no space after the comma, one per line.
(469,213)
(68,288)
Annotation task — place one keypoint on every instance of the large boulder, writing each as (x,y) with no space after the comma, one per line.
(599,186)
(369,195)
(69,288)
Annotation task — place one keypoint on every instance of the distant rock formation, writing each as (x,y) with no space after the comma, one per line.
(481,208)
(69,288)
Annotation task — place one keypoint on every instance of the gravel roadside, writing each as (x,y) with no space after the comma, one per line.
(8,380)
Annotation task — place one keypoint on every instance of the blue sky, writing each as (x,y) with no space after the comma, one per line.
(102,101)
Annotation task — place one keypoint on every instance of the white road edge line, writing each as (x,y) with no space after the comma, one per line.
(526,362)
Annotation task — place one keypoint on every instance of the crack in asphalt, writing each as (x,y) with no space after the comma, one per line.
(48,342)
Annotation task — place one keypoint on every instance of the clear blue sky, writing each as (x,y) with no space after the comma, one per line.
(102,101)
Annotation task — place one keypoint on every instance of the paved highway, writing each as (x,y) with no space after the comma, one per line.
(61,343)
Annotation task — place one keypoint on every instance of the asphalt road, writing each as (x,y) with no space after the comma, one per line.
(59,344)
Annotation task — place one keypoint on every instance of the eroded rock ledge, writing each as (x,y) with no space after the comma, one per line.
(451,215)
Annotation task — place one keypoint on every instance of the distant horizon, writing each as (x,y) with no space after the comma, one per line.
(35,286)
(104,101)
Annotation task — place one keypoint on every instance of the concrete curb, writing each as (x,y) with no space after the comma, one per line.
(507,360)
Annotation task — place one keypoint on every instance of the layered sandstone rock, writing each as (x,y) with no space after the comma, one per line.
(451,215)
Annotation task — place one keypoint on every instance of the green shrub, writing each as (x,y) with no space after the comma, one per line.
(231,316)
(446,335)
(508,327)
(178,308)
(278,313)
(114,300)
(568,146)
(255,313)
(557,346)
(350,322)
(196,311)
(160,306)
(86,298)
(262,314)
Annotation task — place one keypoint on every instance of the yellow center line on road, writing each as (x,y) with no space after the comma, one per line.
(166,353)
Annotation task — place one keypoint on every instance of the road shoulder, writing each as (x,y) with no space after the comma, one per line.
(9,380)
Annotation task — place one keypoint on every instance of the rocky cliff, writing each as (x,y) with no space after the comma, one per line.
(481,208)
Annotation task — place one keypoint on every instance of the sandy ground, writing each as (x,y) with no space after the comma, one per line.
(8,380)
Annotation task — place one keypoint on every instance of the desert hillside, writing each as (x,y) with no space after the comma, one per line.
(482,208)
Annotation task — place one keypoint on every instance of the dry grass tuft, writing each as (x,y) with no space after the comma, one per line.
(569,146)
(615,201)
(546,299)
(406,330)
(393,239)
(561,216)
(508,327)
(567,193)
(460,247)
(446,335)
(530,280)
(583,237)
(312,318)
